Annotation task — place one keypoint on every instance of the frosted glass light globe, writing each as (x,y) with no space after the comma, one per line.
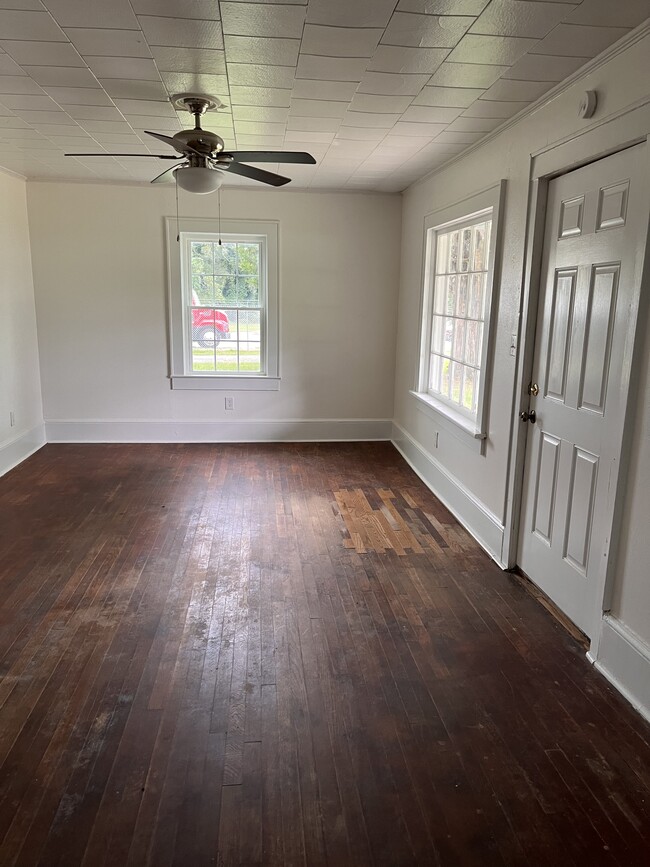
(198,179)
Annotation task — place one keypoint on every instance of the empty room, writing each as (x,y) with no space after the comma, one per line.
(324,433)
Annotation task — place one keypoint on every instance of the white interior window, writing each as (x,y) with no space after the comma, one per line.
(223,304)
(456,316)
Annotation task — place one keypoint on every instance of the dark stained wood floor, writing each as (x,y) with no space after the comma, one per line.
(288,655)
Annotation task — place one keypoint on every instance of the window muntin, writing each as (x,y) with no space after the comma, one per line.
(461,254)
(224,299)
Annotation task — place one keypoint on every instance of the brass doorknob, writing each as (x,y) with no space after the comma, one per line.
(528,416)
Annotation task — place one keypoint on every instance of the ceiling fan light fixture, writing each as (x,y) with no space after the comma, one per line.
(198,179)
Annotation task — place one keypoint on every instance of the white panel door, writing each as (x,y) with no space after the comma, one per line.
(596,221)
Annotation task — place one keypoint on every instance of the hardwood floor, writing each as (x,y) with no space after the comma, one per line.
(284,655)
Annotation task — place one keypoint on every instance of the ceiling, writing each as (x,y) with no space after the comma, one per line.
(379,91)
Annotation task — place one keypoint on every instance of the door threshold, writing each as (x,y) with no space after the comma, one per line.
(551,607)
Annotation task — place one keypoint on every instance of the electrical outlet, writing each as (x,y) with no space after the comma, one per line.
(12,419)
(230,403)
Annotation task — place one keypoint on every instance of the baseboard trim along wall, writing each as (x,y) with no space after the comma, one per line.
(624,659)
(483,525)
(14,451)
(259,430)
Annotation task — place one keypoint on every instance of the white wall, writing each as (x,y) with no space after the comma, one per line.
(474,484)
(20,388)
(100,276)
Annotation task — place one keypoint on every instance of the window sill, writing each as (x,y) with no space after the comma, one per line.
(454,422)
(225,383)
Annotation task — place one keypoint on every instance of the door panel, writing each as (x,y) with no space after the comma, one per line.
(590,278)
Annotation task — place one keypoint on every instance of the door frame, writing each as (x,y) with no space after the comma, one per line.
(617,133)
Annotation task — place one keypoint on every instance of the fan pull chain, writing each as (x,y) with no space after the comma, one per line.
(219,206)
(178,231)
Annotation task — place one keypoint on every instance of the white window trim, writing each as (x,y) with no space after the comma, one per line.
(179,376)
(440,411)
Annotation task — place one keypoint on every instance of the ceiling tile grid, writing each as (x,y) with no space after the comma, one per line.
(379,91)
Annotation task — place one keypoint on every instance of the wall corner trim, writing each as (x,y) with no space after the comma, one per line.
(16,450)
(216,431)
(624,659)
(479,521)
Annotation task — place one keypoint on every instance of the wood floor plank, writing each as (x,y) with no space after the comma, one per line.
(270,655)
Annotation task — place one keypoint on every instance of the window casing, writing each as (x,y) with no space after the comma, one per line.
(453,372)
(223,304)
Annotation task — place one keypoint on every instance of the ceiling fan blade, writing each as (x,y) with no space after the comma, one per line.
(153,156)
(178,146)
(270,157)
(167,175)
(257,174)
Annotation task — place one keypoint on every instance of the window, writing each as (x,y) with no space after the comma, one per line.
(459,268)
(223,304)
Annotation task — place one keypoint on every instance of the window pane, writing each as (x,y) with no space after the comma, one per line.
(437,332)
(248,259)
(466,248)
(203,286)
(451,295)
(435,371)
(480,249)
(445,378)
(456,381)
(440,295)
(453,252)
(248,291)
(477,296)
(461,298)
(225,259)
(201,253)
(473,343)
(442,253)
(448,336)
(469,389)
(459,339)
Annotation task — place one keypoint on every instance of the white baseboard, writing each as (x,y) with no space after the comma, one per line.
(484,526)
(624,658)
(259,430)
(14,451)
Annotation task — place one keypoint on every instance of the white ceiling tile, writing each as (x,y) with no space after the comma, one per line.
(22,134)
(19,84)
(21,4)
(605,13)
(204,9)
(129,88)
(419,129)
(466,75)
(12,122)
(34,117)
(259,49)
(392,83)
(368,119)
(391,58)
(314,138)
(431,114)
(148,121)
(360,133)
(519,18)
(93,13)
(28,102)
(9,66)
(475,124)
(374,103)
(104,42)
(575,39)
(181,32)
(193,82)
(444,7)
(59,130)
(504,50)
(314,124)
(42,53)
(341,91)
(272,96)
(317,108)
(139,68)
(207,60)
(259,112)
(331,68)
(29,25)
(493,108)
(454,97)
(343,13)
(254,75)
(464,138)
(245,127)
(541,67)
(517,91)
(106,126)
(62,76)
(267,142)
(93,112)
(340,41)
(426,31)
(256,19)
(79,95)
(112,138)
(149,107)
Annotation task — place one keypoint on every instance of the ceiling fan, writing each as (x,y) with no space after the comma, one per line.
(204,163)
